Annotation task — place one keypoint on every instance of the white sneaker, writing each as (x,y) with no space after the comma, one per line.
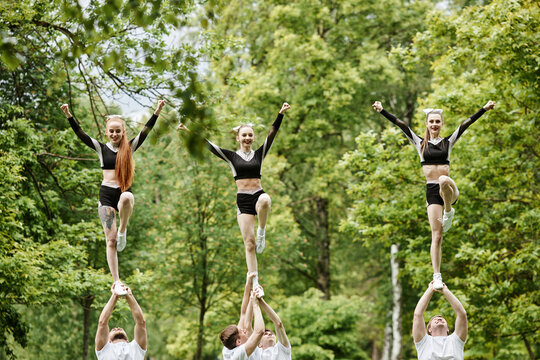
(118,289)
(259,244)
(121,240)
(447,220)
(437,282)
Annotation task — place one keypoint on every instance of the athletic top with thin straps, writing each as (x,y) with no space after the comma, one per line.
(247,165)
(107,152)
(437,151)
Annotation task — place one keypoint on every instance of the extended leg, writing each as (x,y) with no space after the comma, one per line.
(434,214)
(107,215)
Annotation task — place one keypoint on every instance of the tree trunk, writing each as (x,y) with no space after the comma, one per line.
(387,346)
(396,311)
(86,303)
(323,245)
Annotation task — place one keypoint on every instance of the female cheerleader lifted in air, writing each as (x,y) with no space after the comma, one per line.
(116,159)
(441,190)
(251,199)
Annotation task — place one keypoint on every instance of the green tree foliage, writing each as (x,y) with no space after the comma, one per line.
(324,57)
(490,254)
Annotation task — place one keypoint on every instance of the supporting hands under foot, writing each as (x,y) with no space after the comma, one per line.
(119,288)
(258,291)
(437,282)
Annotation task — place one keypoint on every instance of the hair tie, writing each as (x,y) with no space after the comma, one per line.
(434,111)
(113,116)
(236,128)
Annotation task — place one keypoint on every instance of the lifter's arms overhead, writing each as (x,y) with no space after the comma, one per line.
(461,325)
(419,326)
(140,322)
(278,324)
(258,329)
(102,333)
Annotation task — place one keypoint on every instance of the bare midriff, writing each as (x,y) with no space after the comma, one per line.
(109,178)
(432,172)
(248,184)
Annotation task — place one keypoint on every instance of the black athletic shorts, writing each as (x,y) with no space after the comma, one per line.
(246,202)
(433,195)
(109,196)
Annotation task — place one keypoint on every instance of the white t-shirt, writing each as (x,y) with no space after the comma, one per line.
(276,352)
(440,347)
(121,351)
(239,353)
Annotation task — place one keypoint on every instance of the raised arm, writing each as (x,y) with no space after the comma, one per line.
(273,130)
(140,323)
(461,327)
(137,141)
(419,326)
(258,329)
(377,106)
(102,333)
(278,324)
(465,124)
(90,142)
(246,311)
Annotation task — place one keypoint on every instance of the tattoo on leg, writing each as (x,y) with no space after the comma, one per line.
(107,215)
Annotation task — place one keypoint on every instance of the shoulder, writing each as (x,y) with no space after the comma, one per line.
(283,349)
(455,339)
(103,350)
(135,345)
(238,353)
(425,340)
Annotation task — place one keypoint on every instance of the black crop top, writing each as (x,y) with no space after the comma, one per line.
(247,165)
(437,151)
(107,152)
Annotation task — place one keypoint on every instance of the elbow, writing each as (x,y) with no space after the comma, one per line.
(103,323)
(258,332)
(279,325)
(418,315)
(141,321)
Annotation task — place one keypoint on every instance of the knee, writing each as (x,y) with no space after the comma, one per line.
(264,201)
(111,241)
(436,238)
(444,181)
(249,243)
(126,199)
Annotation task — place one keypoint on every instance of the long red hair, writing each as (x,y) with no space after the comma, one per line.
(125,166)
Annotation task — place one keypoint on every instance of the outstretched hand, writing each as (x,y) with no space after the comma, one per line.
(490,105)
(182,127)
(160,105)
(65,109)
(377,106)
(250,276)
(258,291)
(284,108)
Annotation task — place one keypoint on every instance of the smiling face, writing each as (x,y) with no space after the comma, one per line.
(115,130)
(434,123)
(437,326)
(268,339)
(245,137)
(117,335)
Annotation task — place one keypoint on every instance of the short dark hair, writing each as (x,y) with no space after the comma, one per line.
(229,336)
